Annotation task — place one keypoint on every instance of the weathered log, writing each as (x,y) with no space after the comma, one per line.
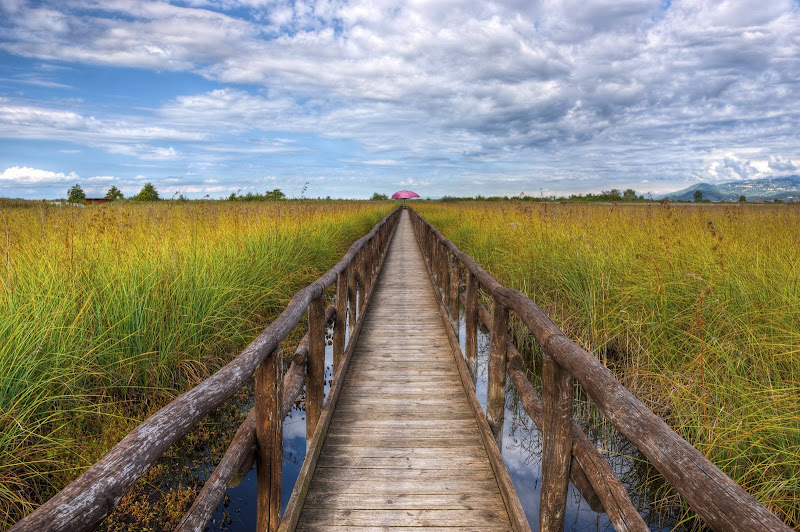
(362,281)
(496,389)
(315,365)
(471,320)
(453,295)
(340,327)
(720,502)
(269,441)
(352,290)
(88,499)
(557,399)
(453,289)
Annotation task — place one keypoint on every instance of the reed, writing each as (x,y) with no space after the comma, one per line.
(107,312)
(695,308)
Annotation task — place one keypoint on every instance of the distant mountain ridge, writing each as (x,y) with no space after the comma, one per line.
(767,189)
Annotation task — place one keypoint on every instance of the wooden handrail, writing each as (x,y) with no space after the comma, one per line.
(82,504)
(717,499)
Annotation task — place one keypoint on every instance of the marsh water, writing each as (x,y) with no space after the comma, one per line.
(521,451)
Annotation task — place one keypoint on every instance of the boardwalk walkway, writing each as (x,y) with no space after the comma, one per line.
(403,448)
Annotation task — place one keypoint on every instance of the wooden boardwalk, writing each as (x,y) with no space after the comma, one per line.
(403,448)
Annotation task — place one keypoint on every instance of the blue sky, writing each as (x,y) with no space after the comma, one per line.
(209,97)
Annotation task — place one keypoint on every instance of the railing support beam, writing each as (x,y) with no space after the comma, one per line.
(471,329)
(269,441)
(453,290)
(496,392)
(315,368)
(340,325)
(557,392)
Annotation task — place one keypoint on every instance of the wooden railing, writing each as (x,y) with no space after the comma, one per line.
(567,452)
(88,499)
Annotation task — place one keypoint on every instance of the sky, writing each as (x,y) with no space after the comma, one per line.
(346,98)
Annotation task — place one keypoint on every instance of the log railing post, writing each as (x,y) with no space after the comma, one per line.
(435,261)
(269,441)
(443,272)
(496,392)
(315,366)
(471,320)
(453,289)
(352,289)
(444,265)
(557,397)
(362,280)
(340,325)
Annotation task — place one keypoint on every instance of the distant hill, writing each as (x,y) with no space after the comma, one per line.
(769,189)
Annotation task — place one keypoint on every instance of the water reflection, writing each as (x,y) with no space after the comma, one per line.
(521,448)
(237,511)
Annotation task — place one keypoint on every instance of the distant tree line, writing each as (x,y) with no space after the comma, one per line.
(150,193)
(75,194)
(270,195)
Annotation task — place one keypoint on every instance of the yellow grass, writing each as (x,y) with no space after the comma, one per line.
(107,312)
(695,308)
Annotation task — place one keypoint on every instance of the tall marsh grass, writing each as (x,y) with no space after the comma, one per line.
(695,308)
(107,312)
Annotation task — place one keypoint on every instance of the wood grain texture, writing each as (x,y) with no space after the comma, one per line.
(403,448)
(340,327)
(557,398)
(471,325)
(496,386)
(315,365)
(268,401)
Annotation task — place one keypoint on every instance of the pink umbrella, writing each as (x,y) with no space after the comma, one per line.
(404,195)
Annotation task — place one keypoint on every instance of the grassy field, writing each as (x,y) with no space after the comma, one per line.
(695,308)
(107,312)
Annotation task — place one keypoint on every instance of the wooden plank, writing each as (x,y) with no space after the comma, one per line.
(419,441)
(417,501)
(400,487)
(404,413)
(469,452)
(418,475)
(394,462)
(406,517)
(329,528)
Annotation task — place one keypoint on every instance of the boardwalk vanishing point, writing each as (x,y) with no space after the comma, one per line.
(403,448)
